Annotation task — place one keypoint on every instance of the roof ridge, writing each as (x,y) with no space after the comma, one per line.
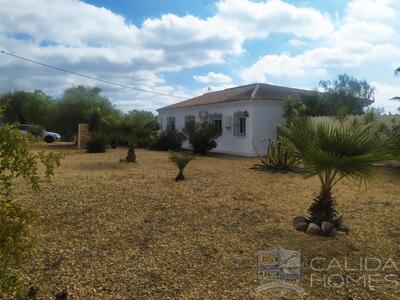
(254,92)
(237,87)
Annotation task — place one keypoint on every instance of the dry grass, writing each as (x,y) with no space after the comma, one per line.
(111,230)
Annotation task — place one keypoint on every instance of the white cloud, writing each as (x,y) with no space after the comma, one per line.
(96,41)
(384,93)
(259,19)
(296,43)
(372,10)
(212,77)
(359,41)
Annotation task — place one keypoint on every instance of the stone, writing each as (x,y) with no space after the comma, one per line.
(299,220)
(343,228)
(338,220)
(313,229)
(301,226)
(327,228)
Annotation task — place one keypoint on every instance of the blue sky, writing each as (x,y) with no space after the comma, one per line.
(185,47)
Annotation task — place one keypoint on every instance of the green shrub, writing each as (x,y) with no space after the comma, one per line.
(278,158)
(181,161)
(170,139)
(17,161)
(201,136)
(97,143)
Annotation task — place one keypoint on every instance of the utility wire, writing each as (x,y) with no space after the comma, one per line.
(87,76)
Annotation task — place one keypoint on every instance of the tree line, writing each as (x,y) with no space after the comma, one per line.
(60,115)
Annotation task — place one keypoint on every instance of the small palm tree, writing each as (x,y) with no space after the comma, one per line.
(181,161)
(135,129)
(332,153)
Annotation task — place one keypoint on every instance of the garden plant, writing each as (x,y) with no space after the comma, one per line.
(181,161)
(332,153)
(17,161)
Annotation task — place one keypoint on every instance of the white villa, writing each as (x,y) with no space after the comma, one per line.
(246,115)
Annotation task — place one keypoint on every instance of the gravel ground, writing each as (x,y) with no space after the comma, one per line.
(112,230)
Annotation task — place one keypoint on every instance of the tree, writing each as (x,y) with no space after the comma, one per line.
(74,106)
(332,153)
(17,161)
(28,108)
(181,161)
(397,71)
(347,91)
(136,128)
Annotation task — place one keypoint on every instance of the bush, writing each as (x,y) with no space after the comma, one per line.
(97,143)
(17,161)
(201,136)
(170,139)
(278,157)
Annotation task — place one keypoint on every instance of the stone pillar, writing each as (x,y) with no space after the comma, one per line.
(83,135)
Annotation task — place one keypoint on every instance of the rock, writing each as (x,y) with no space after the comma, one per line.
(299,220)
(301,226)
(313,229)
(327,228)
(343,228)
(338,220)
(61,296)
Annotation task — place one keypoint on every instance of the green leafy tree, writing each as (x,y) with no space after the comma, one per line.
(74,106)
(136,128)
(28,108)
(332,153)
(181,161)
(17,161)
(345,94)
(316,104)
(347,91)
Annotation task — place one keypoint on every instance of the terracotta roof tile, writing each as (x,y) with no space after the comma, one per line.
(255,91)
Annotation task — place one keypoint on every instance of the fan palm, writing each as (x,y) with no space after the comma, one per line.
(180,160)
(135,129)
(332,153)
(292,109)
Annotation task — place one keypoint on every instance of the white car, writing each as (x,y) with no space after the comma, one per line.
(47,136)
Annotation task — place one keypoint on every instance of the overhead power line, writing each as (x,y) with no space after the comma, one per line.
(87,76)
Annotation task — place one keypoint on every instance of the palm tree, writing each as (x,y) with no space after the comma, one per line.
(136,129)
(292,109)
(332,153)
(180,160)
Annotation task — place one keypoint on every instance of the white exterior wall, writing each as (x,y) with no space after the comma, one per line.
(260,124)
(267,115)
